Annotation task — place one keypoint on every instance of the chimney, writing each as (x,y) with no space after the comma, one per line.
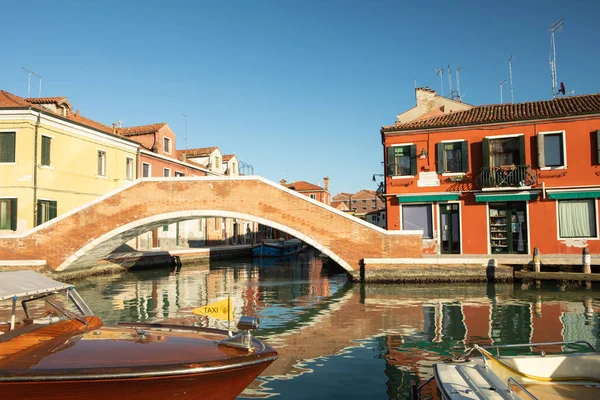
(282,182)
(77,113)
(183,157)
(114,128)
(120,124)
(326,183)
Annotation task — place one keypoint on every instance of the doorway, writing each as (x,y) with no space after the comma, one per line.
(508,228)
(449,228)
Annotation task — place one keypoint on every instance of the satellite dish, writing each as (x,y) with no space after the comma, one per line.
(562,88)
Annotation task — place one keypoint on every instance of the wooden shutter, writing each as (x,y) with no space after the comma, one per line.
(464,150)
(598,146)
(522,160)
(39,212)
(390,161)
(413,159)
(53,207)
(7,147)
(45,150)
(440,158)
(541,151)
(485,152)
(13,214)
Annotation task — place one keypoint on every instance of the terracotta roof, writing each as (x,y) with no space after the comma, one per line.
(204,151)
(91,123)
(497,113)
(301,186)
(141,130)
(47,100)
(228,157)
(11,100)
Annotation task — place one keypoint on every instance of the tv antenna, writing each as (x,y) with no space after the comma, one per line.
(501,83)
(456,71)
(556,27)
(512,93)
(29,82)
(440,72)
(450,82)
(186,143)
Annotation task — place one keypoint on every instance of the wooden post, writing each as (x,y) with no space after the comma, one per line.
(536,264)
(586,259)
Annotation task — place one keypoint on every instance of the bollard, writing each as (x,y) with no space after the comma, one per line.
(587,261)
(536,259)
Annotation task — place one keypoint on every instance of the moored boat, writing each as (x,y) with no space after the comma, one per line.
(53,347)
(491,375)
(278,248)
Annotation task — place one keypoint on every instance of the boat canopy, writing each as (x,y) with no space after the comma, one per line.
(25,283)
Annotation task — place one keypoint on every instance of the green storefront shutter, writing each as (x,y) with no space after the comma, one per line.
(485,151)
(464,149)
(390,161)
(439,149)
(13,214)
(53,208)
(39,212)
(45,150)
(522,150)
(413,159)
(7,147)
(598,146)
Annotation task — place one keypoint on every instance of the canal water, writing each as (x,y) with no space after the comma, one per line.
(339,340)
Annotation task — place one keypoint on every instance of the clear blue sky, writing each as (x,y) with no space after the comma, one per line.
(298,89)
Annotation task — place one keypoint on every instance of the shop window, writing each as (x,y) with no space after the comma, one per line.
(551,150)
(577,218)
(418,217)
(402,160)
(453,157)
(8,214)
(46,210)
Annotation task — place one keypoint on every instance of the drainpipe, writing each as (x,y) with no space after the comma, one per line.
(35,172)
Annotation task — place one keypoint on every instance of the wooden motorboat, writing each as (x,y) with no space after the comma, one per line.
(491,375)
(53,347)
(278,248)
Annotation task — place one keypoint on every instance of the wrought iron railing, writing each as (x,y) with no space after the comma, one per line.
(510,176)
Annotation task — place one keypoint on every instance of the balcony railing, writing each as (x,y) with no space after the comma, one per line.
(510,176)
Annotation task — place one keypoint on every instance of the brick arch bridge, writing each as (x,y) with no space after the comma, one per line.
(83,236)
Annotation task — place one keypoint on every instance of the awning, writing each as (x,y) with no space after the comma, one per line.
(427,197)
(504,197)
(573,194)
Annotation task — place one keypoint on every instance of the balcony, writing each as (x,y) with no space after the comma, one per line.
(513,176)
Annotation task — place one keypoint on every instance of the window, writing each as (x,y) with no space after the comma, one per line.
(129,168)
(577,218)
(234,168)
(504,151)
(551,150)
(313,196)
(46,210)
(145,170)
(166,172)
(7,146)
(402,160)
(217,162)
(418,217)
(177,173)
(167,145)
(46,150)
(453,157)
(101,163)
(8,214)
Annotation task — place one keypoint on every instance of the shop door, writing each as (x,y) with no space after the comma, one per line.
(450,229)
(508,228)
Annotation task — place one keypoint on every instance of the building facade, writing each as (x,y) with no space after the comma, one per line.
(313,191)
(498,179)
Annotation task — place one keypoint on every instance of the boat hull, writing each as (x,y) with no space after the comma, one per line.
(218,385)
(277,249)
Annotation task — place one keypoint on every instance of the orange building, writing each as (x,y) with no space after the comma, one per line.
(315,192)
(502,178)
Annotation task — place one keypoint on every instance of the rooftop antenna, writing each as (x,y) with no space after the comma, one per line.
(440,72)
(501,83)
(456,71)
(557,26)
(450,81)
(186,142)
(512,93)
(29,82)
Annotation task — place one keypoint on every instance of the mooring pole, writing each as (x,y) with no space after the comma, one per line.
(586,258)
(536,264)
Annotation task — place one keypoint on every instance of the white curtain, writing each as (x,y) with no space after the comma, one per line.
(4,214)
(576,218)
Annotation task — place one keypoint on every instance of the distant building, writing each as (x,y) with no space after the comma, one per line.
(430,104)
(313,191)
(365,204)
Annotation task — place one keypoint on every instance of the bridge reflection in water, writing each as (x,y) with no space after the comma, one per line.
(339,340)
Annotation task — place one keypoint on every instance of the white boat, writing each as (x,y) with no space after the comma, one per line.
(483,373)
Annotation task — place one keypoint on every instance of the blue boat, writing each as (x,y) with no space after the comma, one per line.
(278,248)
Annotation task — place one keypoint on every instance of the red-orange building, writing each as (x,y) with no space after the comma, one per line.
(499,178)
(315,192)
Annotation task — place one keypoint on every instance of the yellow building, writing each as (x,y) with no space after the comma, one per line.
(53,160)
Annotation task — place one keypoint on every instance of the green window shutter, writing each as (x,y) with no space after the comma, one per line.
(440,158)
(541,151)
(598,145)
(53,208)
(7,147)
(485,151)
(45,150)
(13,214)
(39,212)
(413,159)
(522,150)
(464,150)
(390,161)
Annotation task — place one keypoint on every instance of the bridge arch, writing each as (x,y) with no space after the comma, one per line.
(90,232)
